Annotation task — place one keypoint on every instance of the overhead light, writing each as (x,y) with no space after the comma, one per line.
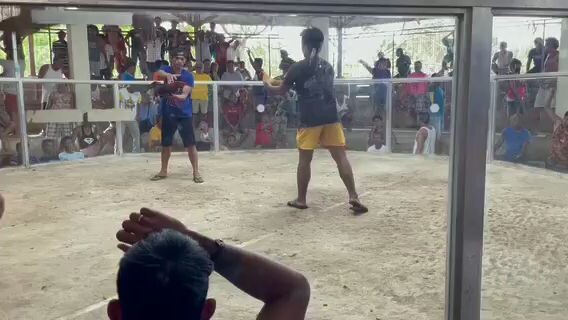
(71,8)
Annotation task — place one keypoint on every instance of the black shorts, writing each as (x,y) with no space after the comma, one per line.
(172,123)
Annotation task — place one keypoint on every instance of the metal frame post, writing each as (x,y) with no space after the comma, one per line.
(216,130)
(468,166)
(118,148)
(21,106)
(388,118)
(492,115)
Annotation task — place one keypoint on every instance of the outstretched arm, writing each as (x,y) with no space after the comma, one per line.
(367,66)
(285,292)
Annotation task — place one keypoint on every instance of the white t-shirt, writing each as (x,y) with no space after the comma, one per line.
(373,149)
(129,100)
(109,52)
(202,51)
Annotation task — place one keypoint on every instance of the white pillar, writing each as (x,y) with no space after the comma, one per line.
(79,64)
(323,25)
(562,91)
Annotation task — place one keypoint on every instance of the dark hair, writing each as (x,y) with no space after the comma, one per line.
(258,61)
(45,143)
(424,117)
(165,276)
(552,42)
(129,63)
(63,141)
(566,114)
(206,60)
(377,116)
(313,38)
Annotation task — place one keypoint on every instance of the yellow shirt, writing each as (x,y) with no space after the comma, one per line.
(201,91)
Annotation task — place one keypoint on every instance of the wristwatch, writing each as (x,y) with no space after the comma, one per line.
(219,247)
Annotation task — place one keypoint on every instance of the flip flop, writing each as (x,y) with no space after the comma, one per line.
(357,207)
(158,177)
(198,179)
(295,204)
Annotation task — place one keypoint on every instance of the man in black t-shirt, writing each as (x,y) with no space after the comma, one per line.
(312,79)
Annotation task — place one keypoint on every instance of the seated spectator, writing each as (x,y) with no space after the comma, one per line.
(131,99)
(62,98)
(204,137)
(516,139)
(233,133)
(91,142)
(165,272)
(68,151)
(264,132)
(376,141)
(558,159)
(49,150)
(280,124)
(425,141)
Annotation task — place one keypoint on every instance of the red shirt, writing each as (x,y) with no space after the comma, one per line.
(420,88)
(263,134)
(233,113)
(221,51)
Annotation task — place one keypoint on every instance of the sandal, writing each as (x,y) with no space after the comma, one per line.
(158,177)
(295,204)
(198,179)
(357,207)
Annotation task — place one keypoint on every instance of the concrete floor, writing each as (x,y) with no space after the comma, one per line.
(58,258)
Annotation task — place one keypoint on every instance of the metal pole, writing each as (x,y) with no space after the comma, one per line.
(388,116)
(340,52)
(269,57)
(492,113)
(216,130)
(118,148)
(21,106)
(50,44)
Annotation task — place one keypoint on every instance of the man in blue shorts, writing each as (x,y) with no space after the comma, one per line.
(176,112)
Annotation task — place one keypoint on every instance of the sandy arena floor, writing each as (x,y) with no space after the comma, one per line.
(58,258)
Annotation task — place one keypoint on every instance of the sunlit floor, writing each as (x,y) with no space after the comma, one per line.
(58,258)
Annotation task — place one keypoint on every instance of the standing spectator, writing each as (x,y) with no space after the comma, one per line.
(403,63)
(10,91)
(153,53)
(234,51)
(425,141)
(130,100)
(379,71)
(200,94)
(221,48)
(147,113)
(418,91)
(176,111)
(233,113)
(107,58)
(558,159)
(516,139)
(258,92)
(502,59)
(536,57)
(214,73)
(69,151)
(95,51)
(161,34)
(280,123)
(517,93)
(448,42)
(203,48)
(207,66)
(386,61)
(185,46)
(244,72)
(285,61)
(437,117)
(60,99)
(61,52)
(172,38)
(134,39)
(231,75)
(50,71)
(546,96)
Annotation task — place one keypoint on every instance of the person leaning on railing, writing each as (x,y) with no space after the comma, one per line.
(165,273)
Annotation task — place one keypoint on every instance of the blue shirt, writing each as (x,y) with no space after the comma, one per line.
(179,108)
(127,77)
(440,100)
(514,142)
(64,156)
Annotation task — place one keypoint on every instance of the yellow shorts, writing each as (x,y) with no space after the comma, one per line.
(329,135)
